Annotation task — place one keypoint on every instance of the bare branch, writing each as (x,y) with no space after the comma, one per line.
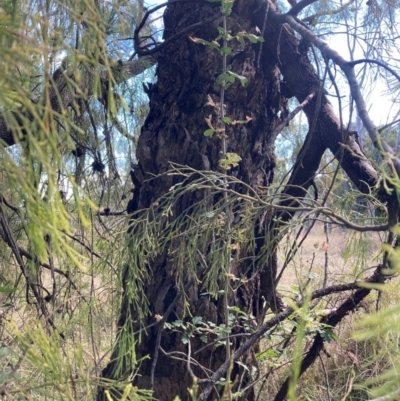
(301,5)
(301,78)
(368,60)
(341,312)
(311,18)
(348,69)
(332,320)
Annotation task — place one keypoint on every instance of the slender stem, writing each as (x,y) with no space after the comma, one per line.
(228,208)
(326,270)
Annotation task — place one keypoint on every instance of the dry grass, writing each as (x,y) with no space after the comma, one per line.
(343,367)
(346,254)
(344,364)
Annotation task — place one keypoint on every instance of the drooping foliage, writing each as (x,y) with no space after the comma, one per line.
(181,232)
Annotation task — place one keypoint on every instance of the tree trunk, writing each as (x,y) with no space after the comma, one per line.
(180,102)
(174,133)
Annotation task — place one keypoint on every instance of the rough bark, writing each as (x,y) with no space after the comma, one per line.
(173,133)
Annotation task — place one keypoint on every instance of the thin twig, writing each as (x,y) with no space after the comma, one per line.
(340,312)
(312,17)
(156,49)
(301,5)
(372,61)
(349,305)
(326,272)
(326,376)
(161,324)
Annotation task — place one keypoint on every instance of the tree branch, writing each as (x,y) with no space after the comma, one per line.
(336,316)
(301,78)
(311,18)
(301,5)
(372,61)
(348,70)
(64,90)
(348,306)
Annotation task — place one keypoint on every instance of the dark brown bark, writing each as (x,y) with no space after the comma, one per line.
(301,80)
(173,133)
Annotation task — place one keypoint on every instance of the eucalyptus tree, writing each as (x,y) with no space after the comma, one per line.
(224,77)
(200,267)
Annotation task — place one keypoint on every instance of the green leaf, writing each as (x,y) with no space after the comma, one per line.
(213,44)
(185,337)
(226,50)
(241,40)
(204,339)
(254,38)
(5,351)
(209,132)
(197,320)
(7,290)
(241,78)
(237,310)
(227,7)
(328,335)
(4,377)
(225,78)
(231,160)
